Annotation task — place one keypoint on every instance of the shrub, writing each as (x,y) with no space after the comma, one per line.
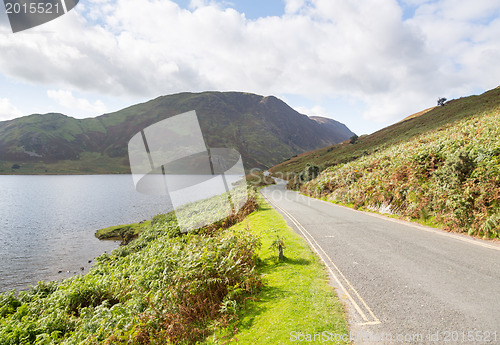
(310,172)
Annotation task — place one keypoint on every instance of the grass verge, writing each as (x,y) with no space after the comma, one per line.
(296,296)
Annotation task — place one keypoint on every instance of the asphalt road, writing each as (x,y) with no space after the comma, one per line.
(401,283)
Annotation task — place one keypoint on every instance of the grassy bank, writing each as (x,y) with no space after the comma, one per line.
(124,233)
(439,167)
(166,288)
(421,123)
(296,296)
(449,178)
(163,287)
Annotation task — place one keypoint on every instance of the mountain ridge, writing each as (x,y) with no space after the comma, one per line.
(264,129)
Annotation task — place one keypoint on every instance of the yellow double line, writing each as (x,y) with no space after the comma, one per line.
(356,300)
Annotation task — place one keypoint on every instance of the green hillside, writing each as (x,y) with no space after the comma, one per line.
(436,118)
(441,168)
(265,130)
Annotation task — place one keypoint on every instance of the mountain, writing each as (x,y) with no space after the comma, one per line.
(265,131)
(338,130)
(410,127)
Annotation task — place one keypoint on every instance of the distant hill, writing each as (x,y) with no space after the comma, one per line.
(400,132)
(337,129)
(265,130)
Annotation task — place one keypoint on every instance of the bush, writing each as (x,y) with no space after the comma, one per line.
(310,172)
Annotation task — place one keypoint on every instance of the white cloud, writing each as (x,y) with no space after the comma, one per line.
(77,105)
(294,6)
(319,48)
(8,110)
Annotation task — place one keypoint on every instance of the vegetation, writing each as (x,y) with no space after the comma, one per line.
(87,163)
(439,166)
(414,125)
(124,233)
(448,177)
(310,172)
(278,244)
(211,285)
(160,287)
(295,296)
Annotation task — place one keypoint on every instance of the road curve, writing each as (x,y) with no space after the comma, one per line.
(401,283)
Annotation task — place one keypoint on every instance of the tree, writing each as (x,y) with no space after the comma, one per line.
(353,139)
(441,101)
(278,244)
(310,173)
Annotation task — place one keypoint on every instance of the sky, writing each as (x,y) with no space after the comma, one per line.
(365,63)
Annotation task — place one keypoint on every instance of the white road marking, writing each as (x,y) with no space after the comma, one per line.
(455,236)
(315,247)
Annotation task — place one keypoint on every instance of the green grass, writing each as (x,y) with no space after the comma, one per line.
(296,296)
(121,232)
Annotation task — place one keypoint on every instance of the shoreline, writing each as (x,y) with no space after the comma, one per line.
(57,273)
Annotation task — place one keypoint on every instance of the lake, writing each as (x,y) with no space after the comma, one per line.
(47,223)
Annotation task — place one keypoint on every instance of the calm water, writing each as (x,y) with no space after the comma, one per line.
(47,223)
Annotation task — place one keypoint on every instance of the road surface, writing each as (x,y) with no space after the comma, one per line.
(402,283)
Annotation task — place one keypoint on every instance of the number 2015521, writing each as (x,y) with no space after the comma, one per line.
(33,8)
